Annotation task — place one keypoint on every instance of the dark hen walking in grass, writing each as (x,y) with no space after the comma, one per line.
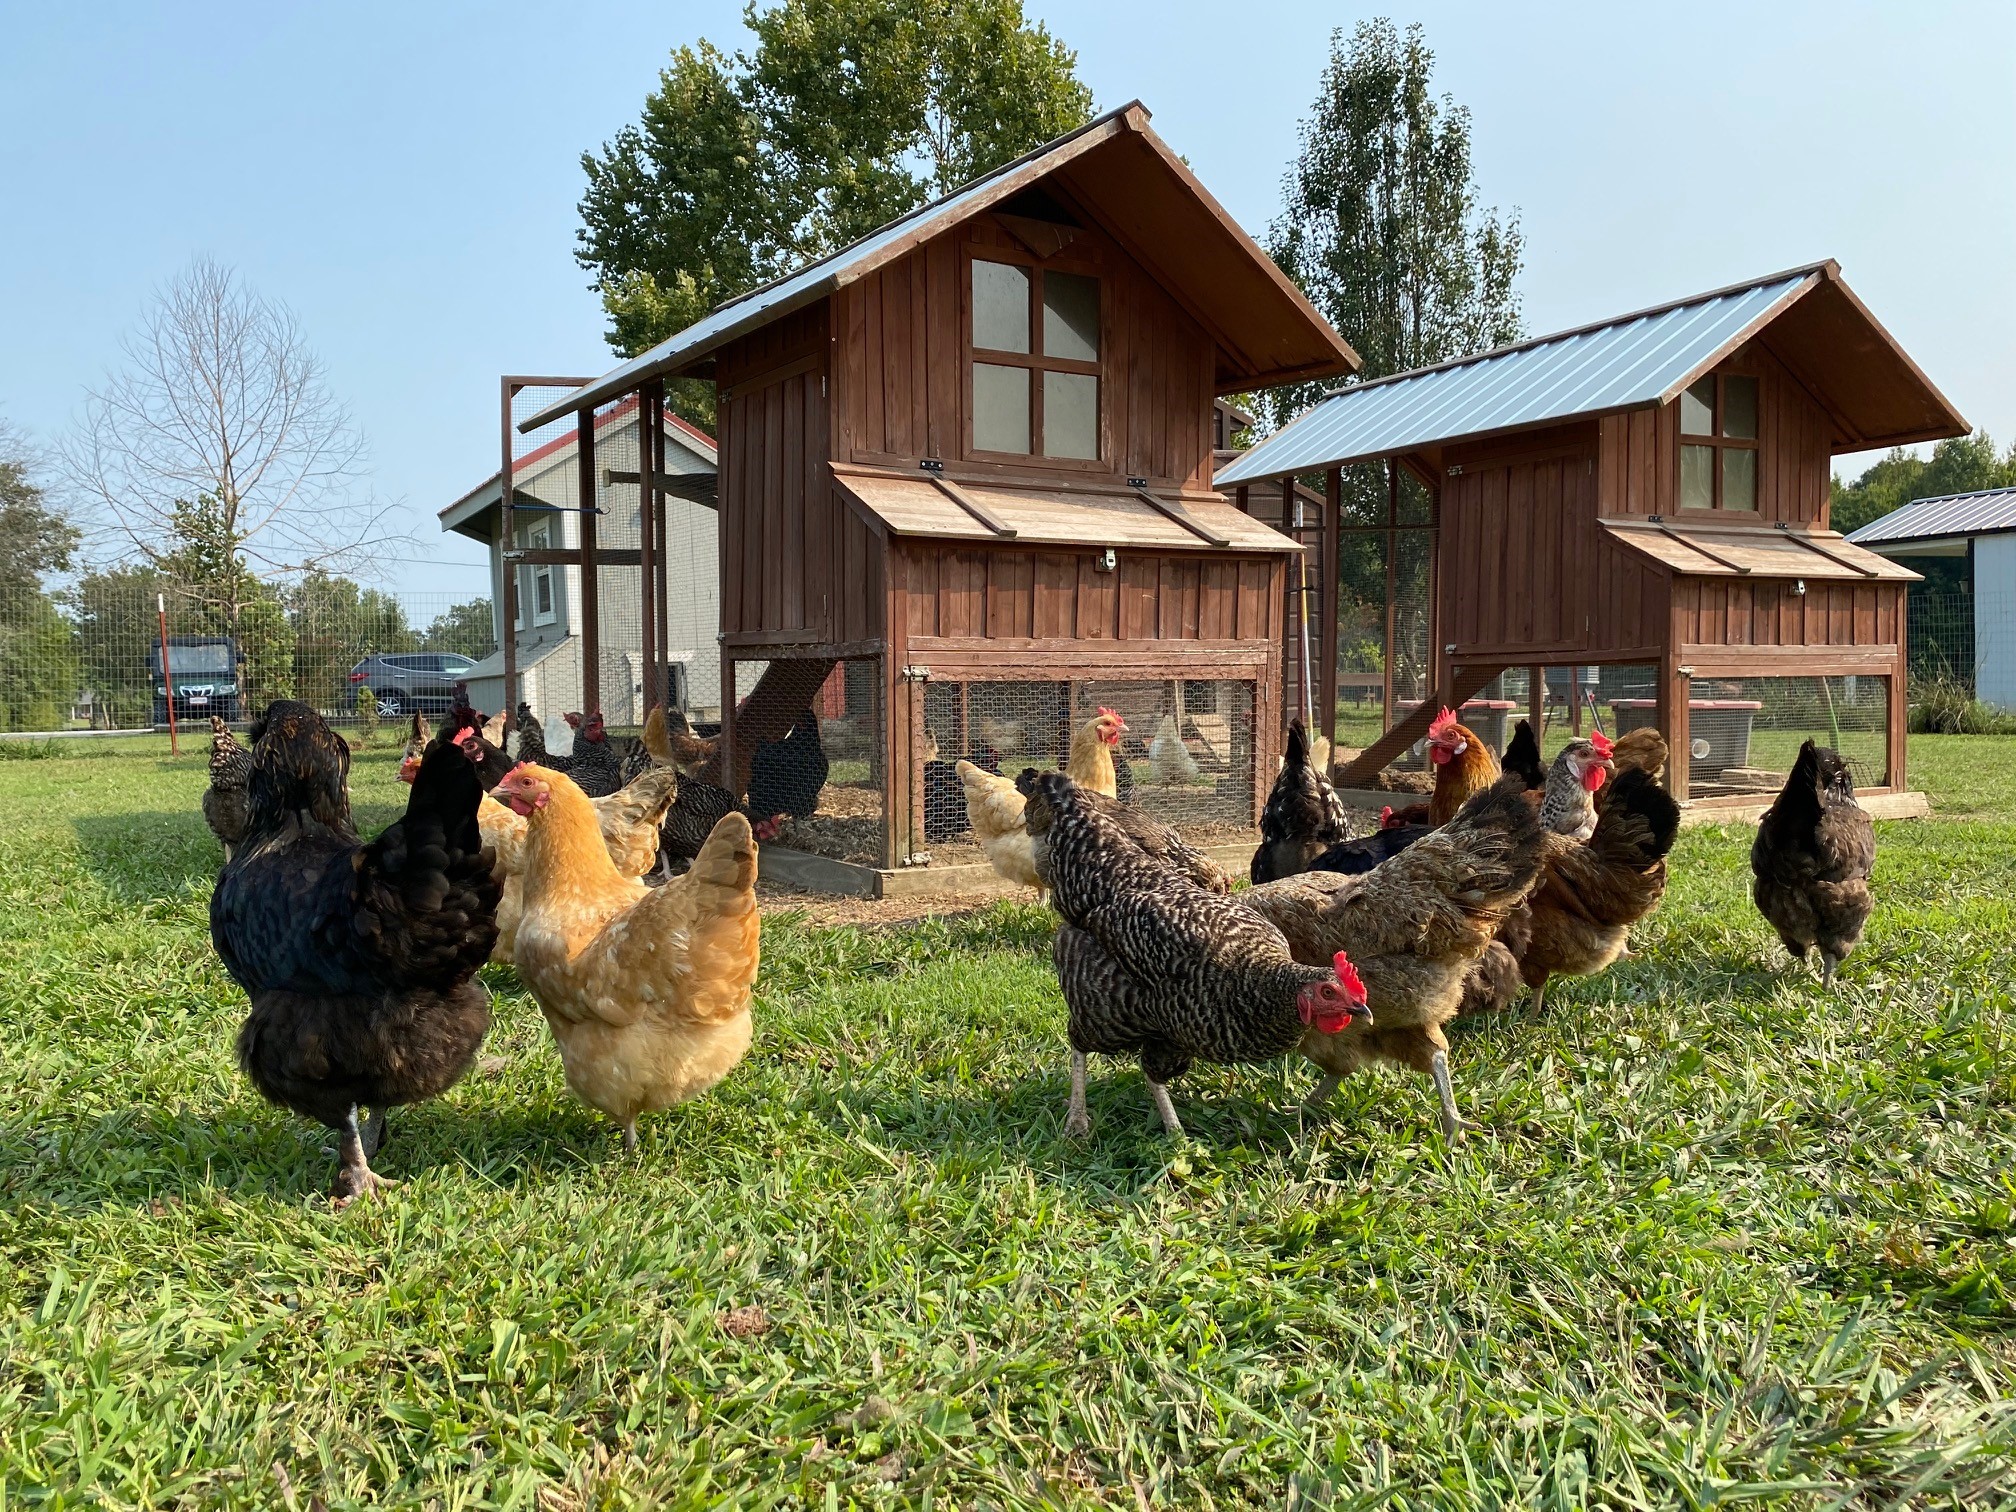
(359,958)
(1814,851)
(1304,816)
(1154,966)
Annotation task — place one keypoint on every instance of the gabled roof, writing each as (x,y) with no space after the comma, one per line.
(1874,393)
(1989,512)
(683,434)
(1136,188)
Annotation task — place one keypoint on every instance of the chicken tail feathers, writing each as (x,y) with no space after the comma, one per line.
(1639,822)
(656,740)
(727,861)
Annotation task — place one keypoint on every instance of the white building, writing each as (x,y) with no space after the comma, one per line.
(545,514)
(1966,544)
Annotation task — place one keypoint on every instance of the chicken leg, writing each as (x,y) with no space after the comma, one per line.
(1324,1088)
(1159,1095)
(374,1133)
(354,1176)
(629,1136)
(1452,1122)
(1077,1121)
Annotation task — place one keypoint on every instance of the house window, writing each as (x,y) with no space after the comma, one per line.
(1035,335)
(1718,443)
(535,586)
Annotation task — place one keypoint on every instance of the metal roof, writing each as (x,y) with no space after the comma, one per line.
(1987,512)
(1630,362)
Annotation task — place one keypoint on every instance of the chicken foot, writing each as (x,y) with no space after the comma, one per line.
(1452,1121)
(1077,1121)
(629,1136)
(354,1176)
(1159,1095)
(1324,1088)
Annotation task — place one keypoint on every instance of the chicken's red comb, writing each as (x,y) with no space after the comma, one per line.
(1442,723)
(1347,976)
(1602,743)
(1113,714)
(1386,817)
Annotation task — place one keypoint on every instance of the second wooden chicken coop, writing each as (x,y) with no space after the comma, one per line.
(965,501)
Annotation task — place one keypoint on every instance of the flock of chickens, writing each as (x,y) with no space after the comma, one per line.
(360,958)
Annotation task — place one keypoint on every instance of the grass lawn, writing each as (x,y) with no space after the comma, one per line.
(1723,1239)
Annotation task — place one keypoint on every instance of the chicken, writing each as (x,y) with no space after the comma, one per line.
(1522,757)
(628,818)
(1464,767)
(531,734)
(1814,851)
(1416,927)
(646,990)
(1592,892)
(595,764)
(1173,763)
(1155,839)
(1304,816)
(994,805)
(359,959)
(1156,967)
(785,776)
(1640,750)
(1353,858)
(1568,802)
(227,800)
(683,747)
(944,794)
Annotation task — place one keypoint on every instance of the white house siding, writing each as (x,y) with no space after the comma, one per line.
(1995,620)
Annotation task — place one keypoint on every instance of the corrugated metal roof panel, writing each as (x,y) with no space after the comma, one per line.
(1621,364)
(1992,509)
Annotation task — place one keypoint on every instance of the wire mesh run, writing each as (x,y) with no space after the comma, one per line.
(809,733)
(1744,733)
(1186,756)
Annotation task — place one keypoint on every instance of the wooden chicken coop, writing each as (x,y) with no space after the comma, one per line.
(1642,505)
(965,497)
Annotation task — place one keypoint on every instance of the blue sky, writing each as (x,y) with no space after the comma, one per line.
(404,177)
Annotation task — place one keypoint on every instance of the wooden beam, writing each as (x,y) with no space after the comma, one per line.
(507,525)
(1181,516)
(1675,687)
(569,556)
(1392,586)
(1332,570)
(591,575)
(647,607)
(973,507)
(1536,700)
(1898,705)
(1464,684)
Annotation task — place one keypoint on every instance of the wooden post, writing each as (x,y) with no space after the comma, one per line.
(590,607)
(1536,700)
(659,595)
(1575,701)
(1898,705)
(508,543)
(1674,687)
(1393,584)
(1291,628)
(647,541)
(1332,570)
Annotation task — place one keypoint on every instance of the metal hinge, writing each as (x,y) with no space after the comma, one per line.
(920,858)
(1655,519)
(932,465)
(916,674)
(1456,471)
(1781,525)
(1684,671)
(1137,482)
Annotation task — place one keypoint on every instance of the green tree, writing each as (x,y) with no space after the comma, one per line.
(467,628)
(1382,226)
(1965,464)
(38,658)
(336,624)
(846,114)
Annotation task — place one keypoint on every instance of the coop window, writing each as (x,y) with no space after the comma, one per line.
(539,537)
(1718,448)
(1035,372)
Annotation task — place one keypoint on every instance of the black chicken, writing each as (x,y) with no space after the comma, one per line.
(1522,757)
(1304,816)
(1814,852)
(359,958)
(785,776)
(1154,966)
(1353,858)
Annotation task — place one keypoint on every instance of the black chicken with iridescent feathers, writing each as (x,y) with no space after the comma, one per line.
(1304,816)
(359,958)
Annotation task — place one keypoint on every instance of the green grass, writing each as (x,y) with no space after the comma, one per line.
(1724,1240)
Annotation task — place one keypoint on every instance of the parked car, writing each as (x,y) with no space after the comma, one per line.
(408,680)
(204,674)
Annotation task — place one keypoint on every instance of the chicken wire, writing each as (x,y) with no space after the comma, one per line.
(822,779)
(552,608)
(1744,733)
(1186,757)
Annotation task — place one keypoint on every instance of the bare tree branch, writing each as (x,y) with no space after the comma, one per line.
(221,398)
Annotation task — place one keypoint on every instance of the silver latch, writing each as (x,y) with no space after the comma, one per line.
(1456,471)
(916,674)
(918,858)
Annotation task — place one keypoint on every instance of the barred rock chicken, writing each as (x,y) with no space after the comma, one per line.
(227,801)
(1568,802)
(1814,852)
(994,804)
(1464,767)
(1591,892)
(359,958)
(1304,816)
(595,764)
(646,990)
(1153,966)
(1416,928)
(531,734)
(1158,841)
(416,747)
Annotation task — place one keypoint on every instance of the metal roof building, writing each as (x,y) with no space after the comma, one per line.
(1950,517)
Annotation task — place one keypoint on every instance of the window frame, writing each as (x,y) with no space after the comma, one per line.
(1034,361)
(539,537)
(1717,443)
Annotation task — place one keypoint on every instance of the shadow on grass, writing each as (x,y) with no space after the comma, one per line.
(148,856)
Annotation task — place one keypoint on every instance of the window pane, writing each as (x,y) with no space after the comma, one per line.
(1697,409)
(1739,477)
(1000,407)
(1070,320)
(1697,477)
(1000,307)
(1739,408)
(1070,414)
